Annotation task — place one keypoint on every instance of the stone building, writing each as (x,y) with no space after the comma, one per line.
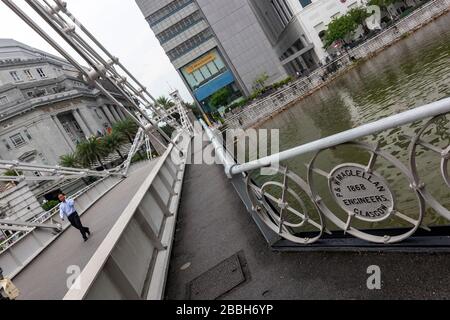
(45,107)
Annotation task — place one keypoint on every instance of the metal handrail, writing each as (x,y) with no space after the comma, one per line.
(95,265)
(421,113)
(43,217)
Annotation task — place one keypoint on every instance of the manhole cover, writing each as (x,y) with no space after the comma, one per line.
(218,281)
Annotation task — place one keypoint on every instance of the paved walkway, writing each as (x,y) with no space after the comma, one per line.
(214,225)
(46,277)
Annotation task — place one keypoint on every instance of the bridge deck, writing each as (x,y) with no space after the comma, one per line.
(214,225)
(45,278)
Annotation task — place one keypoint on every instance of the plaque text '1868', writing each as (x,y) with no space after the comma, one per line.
(366,195)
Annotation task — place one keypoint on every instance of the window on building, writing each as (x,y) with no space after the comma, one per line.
(17,140)
(15,76)
(28,74)
(3,100)
(305,3)
(8,147)
(41,73)
(30,94)
(190,44)
(280,13)
(179,27)
(288,8)
(203,69)
(167,11)
(77,126)
(28,134)
(335,16)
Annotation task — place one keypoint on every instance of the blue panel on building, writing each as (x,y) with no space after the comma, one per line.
(214,85)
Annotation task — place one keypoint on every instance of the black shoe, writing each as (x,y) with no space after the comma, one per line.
(88,232)
(85,239)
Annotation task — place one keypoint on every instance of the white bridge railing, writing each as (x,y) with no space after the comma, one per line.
(20,248)
(357,197)
(132,262)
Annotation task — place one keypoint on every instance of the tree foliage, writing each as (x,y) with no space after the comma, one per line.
(260,81)
(381,3)
(11,173)
(220,98)
(114,141)
(69,161)
(127,127)
(165,102)
(90,151)
(50,205)
(344,26)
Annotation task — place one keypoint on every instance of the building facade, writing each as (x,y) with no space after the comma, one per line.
(315,15)
(213,44)
(45,107)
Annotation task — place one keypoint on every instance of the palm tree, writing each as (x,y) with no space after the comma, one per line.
(127,128)
(114,141)
(90,151)
(165,102)
(69,160)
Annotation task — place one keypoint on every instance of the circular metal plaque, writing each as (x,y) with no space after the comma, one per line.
(362,194)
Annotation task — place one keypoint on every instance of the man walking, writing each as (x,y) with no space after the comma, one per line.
(67,210)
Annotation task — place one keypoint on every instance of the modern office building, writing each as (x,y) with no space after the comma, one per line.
(216,43)
(213,44)
(45,107)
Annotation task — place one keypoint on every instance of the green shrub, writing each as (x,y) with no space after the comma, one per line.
(50,205)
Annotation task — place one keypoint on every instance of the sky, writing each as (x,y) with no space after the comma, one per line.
(120,26)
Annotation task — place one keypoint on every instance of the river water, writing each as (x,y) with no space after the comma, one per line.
(413,72)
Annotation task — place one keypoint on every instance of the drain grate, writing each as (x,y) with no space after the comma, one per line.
(218,281)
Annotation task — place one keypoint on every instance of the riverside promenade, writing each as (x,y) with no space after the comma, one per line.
(260,111)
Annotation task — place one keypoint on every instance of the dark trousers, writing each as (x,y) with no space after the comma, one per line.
(75,221)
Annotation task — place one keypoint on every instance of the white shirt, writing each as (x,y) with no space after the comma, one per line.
(66,209)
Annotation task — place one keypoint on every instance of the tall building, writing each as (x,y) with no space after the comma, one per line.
(287,34)
(213,44)
(217,43)
(45,107)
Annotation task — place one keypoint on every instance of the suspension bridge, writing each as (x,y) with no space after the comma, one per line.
(166,228)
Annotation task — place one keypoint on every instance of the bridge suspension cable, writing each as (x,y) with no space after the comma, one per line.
(103,68)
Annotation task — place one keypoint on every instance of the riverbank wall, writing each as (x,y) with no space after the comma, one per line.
(263,110)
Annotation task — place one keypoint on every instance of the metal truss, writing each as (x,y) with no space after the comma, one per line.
(48,173)
(103,68)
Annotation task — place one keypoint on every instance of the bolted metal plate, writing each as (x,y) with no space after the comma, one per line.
(218,281)
(361,193)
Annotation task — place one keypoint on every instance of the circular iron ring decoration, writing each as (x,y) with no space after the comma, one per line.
(445,158)
(276,221)
(390,210)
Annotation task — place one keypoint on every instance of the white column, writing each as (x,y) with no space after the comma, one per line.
(114,112)
(108,114)
(121,113)
(82,124)
(86,115)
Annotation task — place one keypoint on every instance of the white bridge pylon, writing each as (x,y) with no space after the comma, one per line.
(142,107)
